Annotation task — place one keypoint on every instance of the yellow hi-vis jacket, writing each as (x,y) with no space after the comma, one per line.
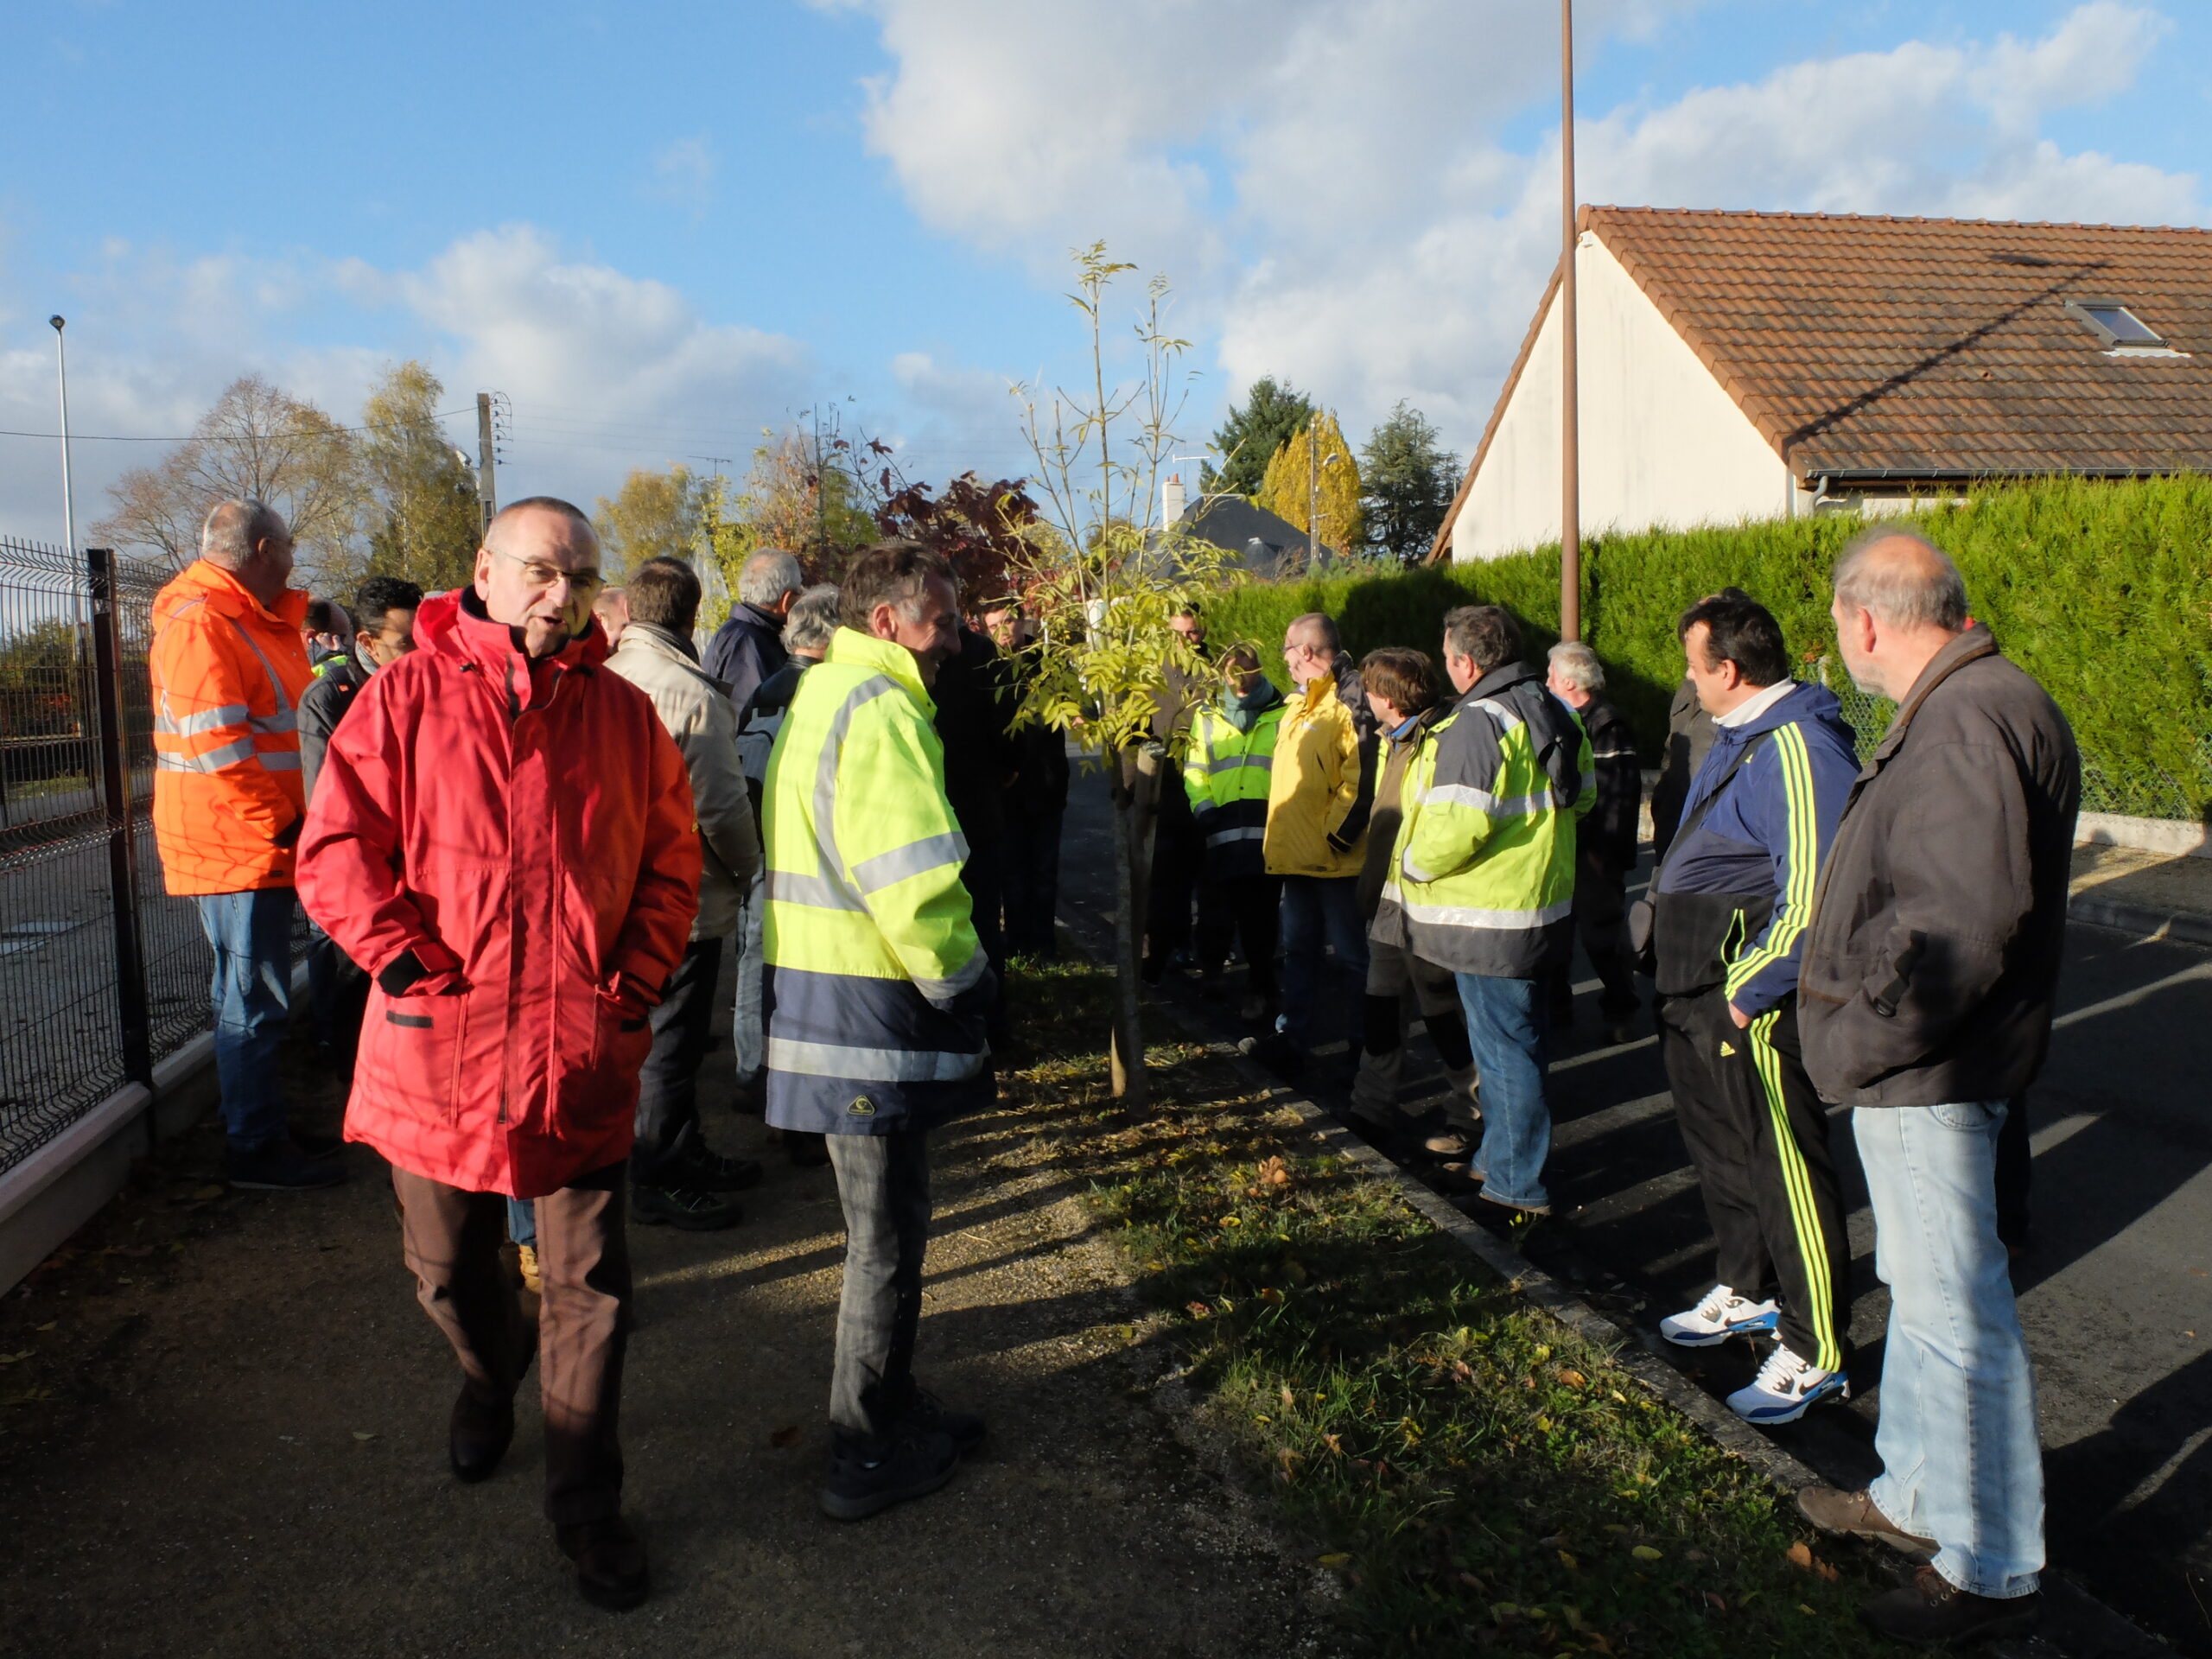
(877,985)
(1484,878)
(1319,795)
(1225,775)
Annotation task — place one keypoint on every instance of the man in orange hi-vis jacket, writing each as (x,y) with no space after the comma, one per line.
(227,666)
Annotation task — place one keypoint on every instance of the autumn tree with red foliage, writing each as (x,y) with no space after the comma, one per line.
(980,529)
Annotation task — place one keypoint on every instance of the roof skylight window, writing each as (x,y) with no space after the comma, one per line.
(2124,333)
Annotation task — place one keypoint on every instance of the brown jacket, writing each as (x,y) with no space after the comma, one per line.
(1932,958)
(1383,819)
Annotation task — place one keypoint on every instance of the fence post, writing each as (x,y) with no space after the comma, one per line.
(122,841)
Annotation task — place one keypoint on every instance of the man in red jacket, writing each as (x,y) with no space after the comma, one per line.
(502,837)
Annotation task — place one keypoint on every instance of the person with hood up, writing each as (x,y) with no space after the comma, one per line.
(503,838)
(1226,773)
(1731,905)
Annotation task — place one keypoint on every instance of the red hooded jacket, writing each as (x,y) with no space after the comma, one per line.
(525,829)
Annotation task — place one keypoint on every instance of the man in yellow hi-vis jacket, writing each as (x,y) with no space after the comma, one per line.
(877,994)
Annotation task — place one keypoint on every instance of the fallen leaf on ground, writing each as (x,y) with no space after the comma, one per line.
(1333,1561)
(1289,1399)
(48,1326)
(212,1190)
(363,1435)
(1567,1560)
(1572,1379)
(1718,1605)
(1645,1552)
(9,1359)
(784,1437)
(1273,1172)
(1197,1310)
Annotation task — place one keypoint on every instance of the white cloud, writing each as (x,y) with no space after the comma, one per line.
(605,370)
(1329,183)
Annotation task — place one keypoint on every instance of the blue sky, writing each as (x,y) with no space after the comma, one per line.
(659,228)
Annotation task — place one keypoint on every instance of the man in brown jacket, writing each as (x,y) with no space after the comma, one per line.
(1924,1003)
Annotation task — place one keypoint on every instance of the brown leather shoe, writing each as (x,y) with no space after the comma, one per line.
(1933,1612)
(481,1433)
(1854,1513)
(610,1561)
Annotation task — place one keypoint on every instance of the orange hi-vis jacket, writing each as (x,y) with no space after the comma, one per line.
(227,672)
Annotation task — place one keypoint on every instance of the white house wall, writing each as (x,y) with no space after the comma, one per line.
(1663,445)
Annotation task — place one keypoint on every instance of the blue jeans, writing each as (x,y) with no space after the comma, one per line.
(521,1221)
(1319,912)
(251,935)
(1505,1035)
(1961,1460)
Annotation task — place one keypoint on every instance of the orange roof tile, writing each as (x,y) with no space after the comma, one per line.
(1926,349)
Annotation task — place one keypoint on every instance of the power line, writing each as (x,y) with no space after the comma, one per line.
(190,437)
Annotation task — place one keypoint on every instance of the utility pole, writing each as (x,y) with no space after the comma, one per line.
(1570,511)
(487,459)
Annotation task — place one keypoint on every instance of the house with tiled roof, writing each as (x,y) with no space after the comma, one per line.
(1741,366)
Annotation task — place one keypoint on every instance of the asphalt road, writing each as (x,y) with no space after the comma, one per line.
(2115,1288)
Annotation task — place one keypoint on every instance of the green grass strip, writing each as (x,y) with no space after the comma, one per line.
(1470,1474)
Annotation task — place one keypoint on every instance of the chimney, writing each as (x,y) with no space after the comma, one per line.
(1172,501)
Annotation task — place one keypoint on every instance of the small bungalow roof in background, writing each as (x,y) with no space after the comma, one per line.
(1264,542)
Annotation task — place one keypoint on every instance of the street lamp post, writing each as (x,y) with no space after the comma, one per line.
(68,494)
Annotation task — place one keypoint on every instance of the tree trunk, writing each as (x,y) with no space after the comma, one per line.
(1131,810)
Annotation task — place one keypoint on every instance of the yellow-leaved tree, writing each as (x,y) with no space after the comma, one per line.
(1286,491)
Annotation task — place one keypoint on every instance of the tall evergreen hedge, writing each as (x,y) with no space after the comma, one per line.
(2101,591)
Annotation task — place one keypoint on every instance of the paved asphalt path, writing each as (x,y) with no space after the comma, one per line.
(2115,1289)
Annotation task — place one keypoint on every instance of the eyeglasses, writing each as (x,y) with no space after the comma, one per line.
(535,575)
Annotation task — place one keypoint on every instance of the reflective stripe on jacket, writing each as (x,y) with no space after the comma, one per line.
(524,830)
(876,999)
(1485,865)
(1226,774)
(226,676)
(1318,791)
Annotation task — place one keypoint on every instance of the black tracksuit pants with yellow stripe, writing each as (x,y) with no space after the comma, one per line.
(1758,1136)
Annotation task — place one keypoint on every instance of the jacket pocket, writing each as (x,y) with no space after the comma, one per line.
(410,1047)
(621,1038)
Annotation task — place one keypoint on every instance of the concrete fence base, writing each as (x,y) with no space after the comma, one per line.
(62,1185)
(2174,837)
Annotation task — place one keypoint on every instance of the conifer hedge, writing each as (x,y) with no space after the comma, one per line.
(2102,590)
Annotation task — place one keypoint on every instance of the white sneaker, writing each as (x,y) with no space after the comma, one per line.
(1785,1386)
(1721,1315)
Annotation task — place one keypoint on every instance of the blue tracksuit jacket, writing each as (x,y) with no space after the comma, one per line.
(1768,834)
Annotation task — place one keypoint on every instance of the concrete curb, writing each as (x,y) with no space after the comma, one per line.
(2075,1624)
(2140,921)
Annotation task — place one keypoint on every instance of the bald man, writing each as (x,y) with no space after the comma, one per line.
(228,666)
(1925,997)
(503,838)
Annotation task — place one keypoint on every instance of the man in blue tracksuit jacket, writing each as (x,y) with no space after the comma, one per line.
(1731,905)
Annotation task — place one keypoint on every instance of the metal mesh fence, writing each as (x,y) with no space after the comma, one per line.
(61,1039)
(2148,792)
